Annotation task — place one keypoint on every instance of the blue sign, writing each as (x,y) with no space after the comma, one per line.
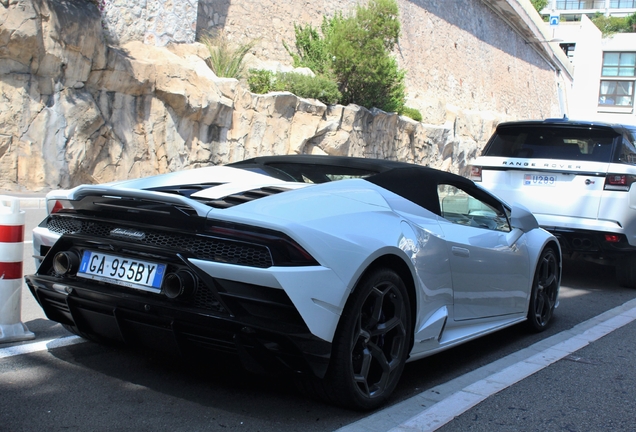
(554,19)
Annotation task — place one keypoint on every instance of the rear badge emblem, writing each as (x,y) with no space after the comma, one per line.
(128,233)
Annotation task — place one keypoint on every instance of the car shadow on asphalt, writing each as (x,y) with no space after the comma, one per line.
(216,382)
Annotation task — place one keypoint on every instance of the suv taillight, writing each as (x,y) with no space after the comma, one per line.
(618,182)
(475,173)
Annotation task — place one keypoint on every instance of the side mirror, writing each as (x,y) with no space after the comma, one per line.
(523,219)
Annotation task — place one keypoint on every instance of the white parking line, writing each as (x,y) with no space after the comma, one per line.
(39,346)
(433,408)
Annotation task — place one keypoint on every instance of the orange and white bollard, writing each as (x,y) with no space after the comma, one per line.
(11,256)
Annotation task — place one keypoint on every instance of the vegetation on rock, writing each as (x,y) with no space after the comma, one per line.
(321,88)
(356,52)
(225,60)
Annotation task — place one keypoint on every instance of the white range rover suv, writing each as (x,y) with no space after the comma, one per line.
(579,180)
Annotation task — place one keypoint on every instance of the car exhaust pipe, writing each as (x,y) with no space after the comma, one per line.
(179,284)
(66,263)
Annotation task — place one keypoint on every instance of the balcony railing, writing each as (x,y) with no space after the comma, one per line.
(623,4)
(594,4)
(576,4)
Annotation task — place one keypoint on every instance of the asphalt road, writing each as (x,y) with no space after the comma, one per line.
(589,384)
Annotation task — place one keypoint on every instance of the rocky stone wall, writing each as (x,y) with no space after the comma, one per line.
(76,110)
(155,22)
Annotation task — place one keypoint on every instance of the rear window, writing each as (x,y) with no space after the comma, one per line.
(310,173)
(552,143)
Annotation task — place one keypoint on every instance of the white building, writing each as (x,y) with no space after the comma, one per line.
(573,9)
(604,71)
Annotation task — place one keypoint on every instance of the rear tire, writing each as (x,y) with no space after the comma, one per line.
(626,271)
(371,344)
(545,289)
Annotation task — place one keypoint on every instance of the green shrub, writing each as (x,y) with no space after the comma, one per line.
(539,5)
(631,23)
(225,60)
(311,49)
(412,113)
(356,51)
(612,25)
(321,88)
(260,81)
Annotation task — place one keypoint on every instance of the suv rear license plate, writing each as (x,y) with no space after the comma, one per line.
(539,180)
(133,273)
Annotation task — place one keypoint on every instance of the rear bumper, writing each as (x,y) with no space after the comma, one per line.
(271,316)
(586,237)
(139,319)
(578,223)
(590,243)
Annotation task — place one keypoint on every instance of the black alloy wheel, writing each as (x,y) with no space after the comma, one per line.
(372,342)
(545,289)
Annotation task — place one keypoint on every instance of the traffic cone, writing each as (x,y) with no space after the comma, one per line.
(11,255)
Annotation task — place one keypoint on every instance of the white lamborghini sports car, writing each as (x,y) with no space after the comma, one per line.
(340,282)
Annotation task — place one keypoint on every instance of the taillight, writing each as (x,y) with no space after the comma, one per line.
(57,206)
(613,238)
(285,251)
(475,173)
(618,182)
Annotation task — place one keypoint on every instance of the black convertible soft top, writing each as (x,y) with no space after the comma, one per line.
(413,182)
(419,184)
(316,168)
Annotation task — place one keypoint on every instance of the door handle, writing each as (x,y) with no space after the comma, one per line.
(460,251)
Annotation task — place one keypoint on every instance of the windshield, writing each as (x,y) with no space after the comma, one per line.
(541,142)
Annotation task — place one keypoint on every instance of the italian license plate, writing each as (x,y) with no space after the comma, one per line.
(133,273)
(539,180)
